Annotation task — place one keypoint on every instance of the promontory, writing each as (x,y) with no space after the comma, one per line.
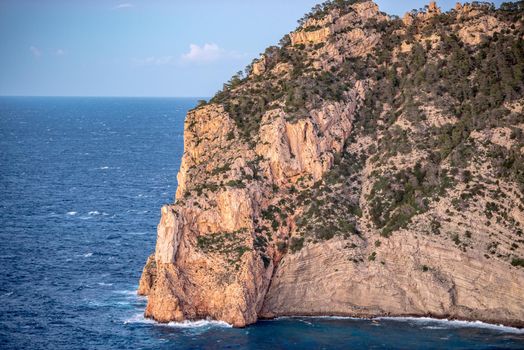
(366,165)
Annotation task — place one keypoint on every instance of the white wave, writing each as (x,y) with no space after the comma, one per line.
(434,327)
(87,255)
(103,168)
(104,284)
(445,323)
(428,322)
(322,317)
(72,213)
(96,212)
(199,324)
(126,292)
(137,233)
(139,318)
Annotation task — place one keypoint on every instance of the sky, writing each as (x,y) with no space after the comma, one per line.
(153,48)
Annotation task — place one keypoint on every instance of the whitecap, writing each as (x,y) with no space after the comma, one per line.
(445,323)
(95,212)
(87,255)
(306,322)
(71,213)
(199,324)
(128,292)
(104,284)
(434,327)
(103,168)
(138,318)
(137,233)
(322,317)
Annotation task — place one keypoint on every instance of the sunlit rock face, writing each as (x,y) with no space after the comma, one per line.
(367,166)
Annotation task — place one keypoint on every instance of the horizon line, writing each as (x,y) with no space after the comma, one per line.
(100,96)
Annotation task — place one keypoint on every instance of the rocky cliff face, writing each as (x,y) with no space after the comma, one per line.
(366,166)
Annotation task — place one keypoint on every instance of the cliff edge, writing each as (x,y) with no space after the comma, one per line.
(367,165)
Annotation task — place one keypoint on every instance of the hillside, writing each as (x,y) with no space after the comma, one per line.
(367,165)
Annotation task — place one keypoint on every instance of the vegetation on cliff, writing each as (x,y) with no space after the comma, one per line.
(357,129)
(438,73)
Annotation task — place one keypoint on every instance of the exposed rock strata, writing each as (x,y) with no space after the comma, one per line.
(246,237)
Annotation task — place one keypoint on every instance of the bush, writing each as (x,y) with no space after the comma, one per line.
(517,262)
(296,244)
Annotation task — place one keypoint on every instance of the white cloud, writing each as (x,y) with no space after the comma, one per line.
(123,6)
(35,51)
(208,53)
(60,52)
(201,54)
(155,61)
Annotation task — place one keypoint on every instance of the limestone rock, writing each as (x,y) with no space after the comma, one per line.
(408,19)
(315,186)
(398,287)
(169,231)
(485,26)
(148,276)
(313,37)
(433,8)
(259,67)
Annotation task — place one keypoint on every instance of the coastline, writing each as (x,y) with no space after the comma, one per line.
(515,328)
(337,204)
(516,325)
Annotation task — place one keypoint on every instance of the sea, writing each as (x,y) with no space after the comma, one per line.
(82,181)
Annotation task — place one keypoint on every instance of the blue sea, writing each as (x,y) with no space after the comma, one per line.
(82,181)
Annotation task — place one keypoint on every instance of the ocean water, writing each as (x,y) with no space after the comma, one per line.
(82,181)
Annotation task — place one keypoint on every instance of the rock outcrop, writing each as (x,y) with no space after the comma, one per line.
(317,31)
(368,166)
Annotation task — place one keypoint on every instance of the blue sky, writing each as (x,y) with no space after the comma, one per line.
(141,47)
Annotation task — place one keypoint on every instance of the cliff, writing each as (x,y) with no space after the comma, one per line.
(365,166)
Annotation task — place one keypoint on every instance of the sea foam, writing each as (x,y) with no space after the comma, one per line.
(434,323)
(139,318)
(199,324)
(425,322)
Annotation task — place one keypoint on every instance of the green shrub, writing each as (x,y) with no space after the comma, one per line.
(517,262)
(296,244)
(455,238)
(235,183)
